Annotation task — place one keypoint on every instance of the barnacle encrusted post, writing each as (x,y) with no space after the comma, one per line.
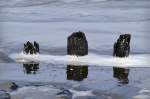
(77,44)
(122,46)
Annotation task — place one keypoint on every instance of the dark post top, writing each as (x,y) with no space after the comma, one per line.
(77,44)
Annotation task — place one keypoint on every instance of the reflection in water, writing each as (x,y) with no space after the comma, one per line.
(31,68)
(121,74)
(77,73)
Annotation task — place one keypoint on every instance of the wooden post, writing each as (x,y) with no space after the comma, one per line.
(30,48)
(122,46)
(77,44)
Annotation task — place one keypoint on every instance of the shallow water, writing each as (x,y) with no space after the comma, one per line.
(81,82)
(56,75)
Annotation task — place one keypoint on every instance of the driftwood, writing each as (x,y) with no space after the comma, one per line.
(77,73)
(77,44)
(121,74)
(122,46)
(30,48)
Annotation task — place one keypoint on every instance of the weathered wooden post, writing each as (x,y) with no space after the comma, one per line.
(122,49)
(122,46)
(77,44)
(36,47)
(30,48)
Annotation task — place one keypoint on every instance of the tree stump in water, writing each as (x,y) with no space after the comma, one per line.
(30,48)
(77,44)
(122,46)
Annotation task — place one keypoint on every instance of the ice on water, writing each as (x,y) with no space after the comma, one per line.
(91,59)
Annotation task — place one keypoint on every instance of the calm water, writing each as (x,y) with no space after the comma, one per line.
(50,22)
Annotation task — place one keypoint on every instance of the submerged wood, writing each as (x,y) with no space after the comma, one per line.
(77,44)
(30,48)
(122,46)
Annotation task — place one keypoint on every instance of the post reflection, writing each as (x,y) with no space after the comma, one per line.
(31,68)
(77,73)
(121,74)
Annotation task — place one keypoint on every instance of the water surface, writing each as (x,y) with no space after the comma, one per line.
(50,22)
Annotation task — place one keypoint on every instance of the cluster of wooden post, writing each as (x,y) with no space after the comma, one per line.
(30,48)
(77,44)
